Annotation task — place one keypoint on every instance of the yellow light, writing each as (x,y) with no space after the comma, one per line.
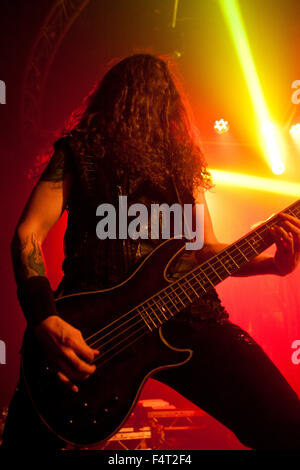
(257,183)
(295,134)
(271,142)
(175,13)
(268,130)
(295,130)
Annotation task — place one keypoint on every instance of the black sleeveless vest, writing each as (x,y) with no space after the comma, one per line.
(91,263)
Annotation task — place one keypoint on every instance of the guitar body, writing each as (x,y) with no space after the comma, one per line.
(106,398)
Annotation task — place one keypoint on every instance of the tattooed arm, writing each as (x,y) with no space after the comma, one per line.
(63,344)
(45,206)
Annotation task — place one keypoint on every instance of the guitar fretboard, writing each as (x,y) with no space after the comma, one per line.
(181,293)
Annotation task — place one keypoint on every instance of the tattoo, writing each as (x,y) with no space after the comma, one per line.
(27,257)
(35,259)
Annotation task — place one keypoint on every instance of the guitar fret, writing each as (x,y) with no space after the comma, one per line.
(203,271)
(197,280)
(260,239)
(171,300)
(191,287)
(251,245)
(149,316)
(174,292)
(141,314)
(223,265)
(232,259)
(161,308)
(214,271)
(169,310)
(244,256)
(261,244)
(185,293)
(290,212)
(153,310)
(264,233)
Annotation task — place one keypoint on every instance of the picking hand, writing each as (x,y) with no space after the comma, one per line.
(66,349)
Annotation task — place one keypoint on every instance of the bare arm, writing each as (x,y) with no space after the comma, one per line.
(45,206)
(63,344)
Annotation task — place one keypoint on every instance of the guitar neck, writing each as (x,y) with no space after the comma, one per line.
(183,292)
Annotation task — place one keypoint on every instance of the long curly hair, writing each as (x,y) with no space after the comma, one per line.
(137,116)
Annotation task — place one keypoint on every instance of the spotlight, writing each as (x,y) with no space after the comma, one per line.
(295,130)
(268,129)
(272,146)
(221,126)
(177,54)
(257,183)
(270,133)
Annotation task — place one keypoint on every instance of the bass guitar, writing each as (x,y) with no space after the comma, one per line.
(126,324)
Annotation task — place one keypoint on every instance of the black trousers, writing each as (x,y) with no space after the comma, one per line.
(229,376)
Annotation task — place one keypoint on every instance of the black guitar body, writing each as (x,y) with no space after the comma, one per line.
(105,400)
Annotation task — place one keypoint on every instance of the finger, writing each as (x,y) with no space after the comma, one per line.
(78,365)
(66,367)
(83,350)
(63,378)
(72,366)
(283,240)
(295,232)
(290,218)
(69,370)
(285,236)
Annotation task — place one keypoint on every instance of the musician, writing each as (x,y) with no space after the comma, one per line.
(135,138)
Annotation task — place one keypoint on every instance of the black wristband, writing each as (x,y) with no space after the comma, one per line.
(36,299)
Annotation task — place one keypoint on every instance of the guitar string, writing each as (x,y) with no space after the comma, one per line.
(114,346)
(125,345)
(144,302)
(158,312)
(190,294)
(96,333)
(101,362)
(186,284)
(159,315)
